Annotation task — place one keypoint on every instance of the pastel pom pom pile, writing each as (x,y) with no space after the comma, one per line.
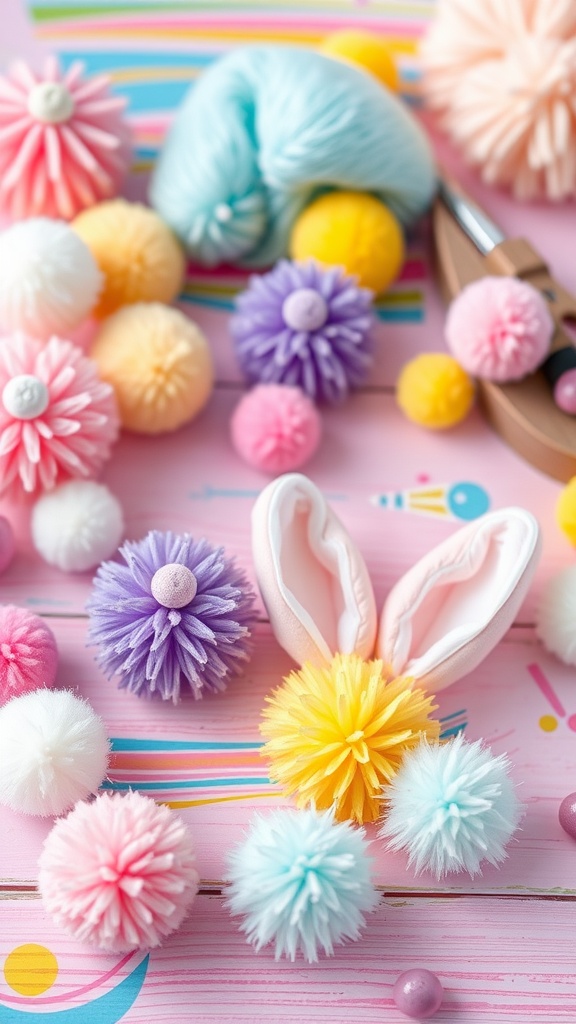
(367,50)
(77,525)
(499,328)
(28,652)
(232,185)
(49,280)
(301,325)
(434,391)
(159,364)
(503,78)
(54,752)
(556,615)
(336,734)
(451,807)
(139,257)
(352,230)
(276,428)
(566,510)
(57,419)
(65,143)
(302,882)
(118,873)
(174,611)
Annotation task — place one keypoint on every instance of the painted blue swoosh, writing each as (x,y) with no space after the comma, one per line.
(106,1009)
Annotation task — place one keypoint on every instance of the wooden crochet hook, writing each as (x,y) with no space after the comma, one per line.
(468,246)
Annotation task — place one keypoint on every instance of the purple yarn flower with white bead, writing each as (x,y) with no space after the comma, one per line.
(175,611)
(305,325)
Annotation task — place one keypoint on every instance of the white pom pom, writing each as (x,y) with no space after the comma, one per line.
(54,752)
(49,279)
(556,616)
(77,525)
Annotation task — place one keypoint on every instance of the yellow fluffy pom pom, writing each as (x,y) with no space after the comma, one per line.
(566,510)
(159,364)
(353,230)
(336,735)
(434,391)
(140,258)
(368,50)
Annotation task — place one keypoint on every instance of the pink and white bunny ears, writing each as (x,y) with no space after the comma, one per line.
(439,621)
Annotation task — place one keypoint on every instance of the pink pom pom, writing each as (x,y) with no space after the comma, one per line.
(118,873)
(499,328)
(276,428)
(64,143)
(57,418)
(7,544)
(28,653)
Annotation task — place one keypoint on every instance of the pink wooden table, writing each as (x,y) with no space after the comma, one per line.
(503,945)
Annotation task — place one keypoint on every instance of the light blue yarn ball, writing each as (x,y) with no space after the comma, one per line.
(262,132)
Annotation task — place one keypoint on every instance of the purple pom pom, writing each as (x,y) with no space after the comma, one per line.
(304,325)
(152,636)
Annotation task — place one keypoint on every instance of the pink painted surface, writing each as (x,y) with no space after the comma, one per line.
(503,944)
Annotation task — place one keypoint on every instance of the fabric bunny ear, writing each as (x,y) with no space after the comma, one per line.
(452,608)
(313,580)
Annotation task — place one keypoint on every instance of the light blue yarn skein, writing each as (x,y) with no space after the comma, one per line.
(262,132)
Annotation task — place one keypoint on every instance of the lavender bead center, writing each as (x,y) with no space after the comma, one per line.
(305,310)
(174,585)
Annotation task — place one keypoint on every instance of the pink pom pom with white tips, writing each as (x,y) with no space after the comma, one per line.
(28,652)
(118,873)
(276,428)
(499,328)
(64,143)
(57,418)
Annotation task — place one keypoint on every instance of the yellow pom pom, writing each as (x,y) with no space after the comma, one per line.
(140,258)
(566,510)
(434,391)
(159,364)
(353,230)
(368,50)
(337,734)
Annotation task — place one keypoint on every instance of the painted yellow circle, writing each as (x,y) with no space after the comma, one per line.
(548,723)
(30,970)
(566,510)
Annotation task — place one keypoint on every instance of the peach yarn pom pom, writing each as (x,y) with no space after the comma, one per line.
(502,73)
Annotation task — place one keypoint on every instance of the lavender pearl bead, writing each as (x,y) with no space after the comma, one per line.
(304,310)
(418,993)
(567,814)
(565,392)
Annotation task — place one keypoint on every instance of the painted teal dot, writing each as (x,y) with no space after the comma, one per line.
(467,501)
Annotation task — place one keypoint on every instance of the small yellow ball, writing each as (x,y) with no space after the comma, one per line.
(159,364)
(139,256)
(366,49)
(434,391)
(353,230)
(566,510)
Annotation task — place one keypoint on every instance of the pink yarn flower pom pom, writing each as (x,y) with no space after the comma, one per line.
(57,418)
(499,328)
(118,873)
(28,653)
(276,428)
(64,143)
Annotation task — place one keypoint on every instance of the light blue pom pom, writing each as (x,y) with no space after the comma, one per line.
(262,132)
(301,881)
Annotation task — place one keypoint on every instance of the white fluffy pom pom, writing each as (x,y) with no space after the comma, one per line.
(54,752)
(77,525)
(451,807)
(556,616)
(49,279)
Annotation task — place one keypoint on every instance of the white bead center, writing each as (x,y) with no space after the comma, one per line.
(174,585)
(50,102)
(25,397)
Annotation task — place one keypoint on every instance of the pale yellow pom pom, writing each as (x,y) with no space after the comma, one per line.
(337,734)
(434,391)
(140,258)
(159,364)
(366,49)
(566,510)
(353,230)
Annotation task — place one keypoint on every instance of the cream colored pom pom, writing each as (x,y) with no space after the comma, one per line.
(77,525)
